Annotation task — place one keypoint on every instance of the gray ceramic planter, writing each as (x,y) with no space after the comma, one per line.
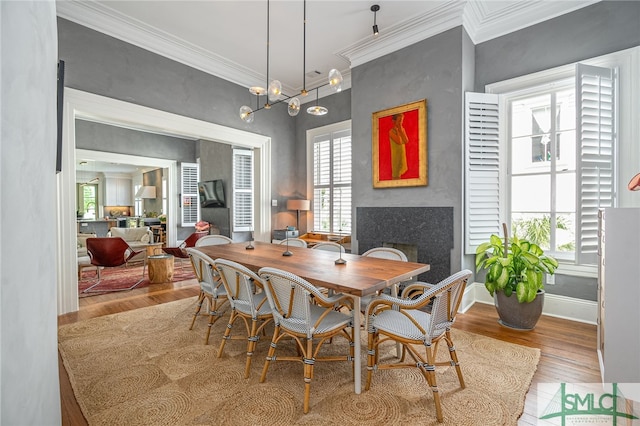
(521,316)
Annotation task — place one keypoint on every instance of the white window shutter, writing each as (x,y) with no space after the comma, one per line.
(482,169)
(596,141)
(242,190)
(189,175)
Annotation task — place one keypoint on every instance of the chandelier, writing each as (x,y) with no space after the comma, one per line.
(273,92)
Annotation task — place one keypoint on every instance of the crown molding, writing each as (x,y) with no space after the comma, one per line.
(483,25)
(437,20)
(480,23)
(108,21)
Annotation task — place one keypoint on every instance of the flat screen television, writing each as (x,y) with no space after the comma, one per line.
(211,193)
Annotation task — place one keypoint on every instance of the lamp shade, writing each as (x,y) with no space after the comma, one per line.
(303,205)
(146,192)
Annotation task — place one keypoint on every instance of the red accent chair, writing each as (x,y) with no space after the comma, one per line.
(180,252)
(110,252)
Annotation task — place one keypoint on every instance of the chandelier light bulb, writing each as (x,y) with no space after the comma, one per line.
(317,110)
(274,90)
(246,114)
(257,90)
(293,107)
(335,80)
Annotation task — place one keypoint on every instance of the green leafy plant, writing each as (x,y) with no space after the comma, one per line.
(514,265)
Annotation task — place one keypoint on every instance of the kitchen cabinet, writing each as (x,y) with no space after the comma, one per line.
(118,192)
(619,295)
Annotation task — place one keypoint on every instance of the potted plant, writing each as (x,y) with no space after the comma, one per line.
(515,278)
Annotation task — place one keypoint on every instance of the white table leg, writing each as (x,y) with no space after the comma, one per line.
(357,364)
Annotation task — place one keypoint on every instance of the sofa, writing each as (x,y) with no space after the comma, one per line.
(137,238)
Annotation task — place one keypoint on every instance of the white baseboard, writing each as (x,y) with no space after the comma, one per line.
(554,305)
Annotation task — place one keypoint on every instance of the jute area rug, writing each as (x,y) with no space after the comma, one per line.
(144,367)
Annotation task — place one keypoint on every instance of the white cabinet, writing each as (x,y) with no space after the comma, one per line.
(117,192)
(619,295)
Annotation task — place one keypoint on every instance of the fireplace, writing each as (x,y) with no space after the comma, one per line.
(428,229)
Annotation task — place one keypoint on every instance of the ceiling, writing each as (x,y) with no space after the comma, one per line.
(228,38)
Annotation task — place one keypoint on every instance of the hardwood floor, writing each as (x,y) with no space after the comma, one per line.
(568,348)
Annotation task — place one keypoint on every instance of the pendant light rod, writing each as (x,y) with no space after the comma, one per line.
(268,46)
(304,49)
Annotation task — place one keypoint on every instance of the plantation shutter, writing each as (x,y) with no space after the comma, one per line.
(482,169)
(332,182)
(189,174)
(596,139)
(242,190)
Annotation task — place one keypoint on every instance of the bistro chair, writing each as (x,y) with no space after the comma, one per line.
(211,288)
(329,246)
(383,253)
(409,321)
(179,252)
(248,302)
(293,242)
(303,313)
(212,240)
(111,252)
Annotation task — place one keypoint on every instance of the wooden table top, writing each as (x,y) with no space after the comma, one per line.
(360,276)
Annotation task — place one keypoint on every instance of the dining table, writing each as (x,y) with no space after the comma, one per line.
(351,274)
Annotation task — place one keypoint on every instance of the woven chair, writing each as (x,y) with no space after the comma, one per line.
(179,252)
(247,302)
(382,253)
(111,252)
(212,240)
(329,246)
(409,320)
(294,242)
(303,313)
(211,288)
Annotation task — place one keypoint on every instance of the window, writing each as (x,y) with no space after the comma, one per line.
(137,206)
(542,154)
(330,148)
(87,200)
(242,190)
(190,174)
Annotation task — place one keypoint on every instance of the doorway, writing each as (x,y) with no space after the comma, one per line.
(78,104)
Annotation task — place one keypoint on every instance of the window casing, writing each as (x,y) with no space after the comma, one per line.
(242,190)
(190,208)
(605,103)
(330,177)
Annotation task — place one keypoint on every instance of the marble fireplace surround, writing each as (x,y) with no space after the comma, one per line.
(430,229)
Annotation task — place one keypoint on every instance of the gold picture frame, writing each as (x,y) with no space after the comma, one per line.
(399,146)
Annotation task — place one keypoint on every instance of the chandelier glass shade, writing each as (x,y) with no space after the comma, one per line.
(274,87)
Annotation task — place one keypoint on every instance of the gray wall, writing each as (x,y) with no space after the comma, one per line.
(596,30)
(105,138)
(216,161)
(430,69)
(106,66)
(29,387)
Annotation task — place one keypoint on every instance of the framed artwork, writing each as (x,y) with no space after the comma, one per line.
(399,146)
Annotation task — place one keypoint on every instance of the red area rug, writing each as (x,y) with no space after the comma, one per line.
(122,278)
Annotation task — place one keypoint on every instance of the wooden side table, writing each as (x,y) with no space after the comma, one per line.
(160,268)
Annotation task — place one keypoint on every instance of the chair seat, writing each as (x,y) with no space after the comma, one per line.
(216,289)
(398,324)
(245,308)
(332,321)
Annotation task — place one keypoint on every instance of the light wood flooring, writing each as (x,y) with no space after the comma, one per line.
(568,348)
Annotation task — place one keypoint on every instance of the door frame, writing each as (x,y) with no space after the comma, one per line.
(89,106)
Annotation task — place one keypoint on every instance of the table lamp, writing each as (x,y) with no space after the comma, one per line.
(298,205)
